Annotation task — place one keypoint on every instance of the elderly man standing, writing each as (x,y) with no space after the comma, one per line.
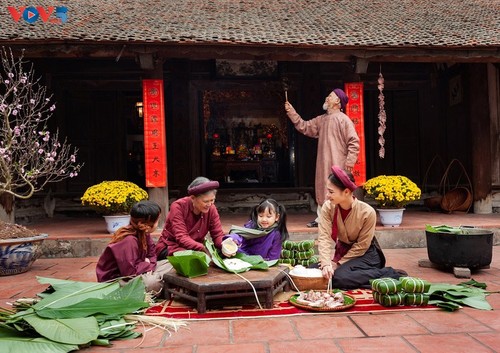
(338,142)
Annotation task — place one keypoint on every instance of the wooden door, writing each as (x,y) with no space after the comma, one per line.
(401,134)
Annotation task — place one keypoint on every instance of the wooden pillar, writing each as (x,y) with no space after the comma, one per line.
(153,69)
(479,117)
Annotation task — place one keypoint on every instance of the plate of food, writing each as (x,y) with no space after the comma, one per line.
(322,300)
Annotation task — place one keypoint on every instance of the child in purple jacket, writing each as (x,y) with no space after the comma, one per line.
(264,233)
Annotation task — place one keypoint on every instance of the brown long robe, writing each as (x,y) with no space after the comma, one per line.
(338,144)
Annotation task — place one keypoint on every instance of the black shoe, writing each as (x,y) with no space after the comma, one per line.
(312,224)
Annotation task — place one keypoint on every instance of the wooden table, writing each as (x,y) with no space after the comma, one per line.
(219,284)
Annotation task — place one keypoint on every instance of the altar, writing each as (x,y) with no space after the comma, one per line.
(261,171)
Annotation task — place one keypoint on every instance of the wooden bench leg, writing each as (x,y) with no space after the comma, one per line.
(166,292)
(202,303)
(269,298)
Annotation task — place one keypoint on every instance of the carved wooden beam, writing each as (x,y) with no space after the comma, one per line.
(257,52)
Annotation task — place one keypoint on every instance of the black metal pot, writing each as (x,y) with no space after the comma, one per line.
(472,250)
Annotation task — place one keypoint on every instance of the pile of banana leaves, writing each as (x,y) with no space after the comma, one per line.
(70,315)
(451,297)
(450,229)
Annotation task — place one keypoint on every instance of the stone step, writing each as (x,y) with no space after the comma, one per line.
(93,246)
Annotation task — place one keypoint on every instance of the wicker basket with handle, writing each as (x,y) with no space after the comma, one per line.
(457,197)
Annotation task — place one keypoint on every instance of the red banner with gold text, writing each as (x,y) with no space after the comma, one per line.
(355,111)
(155,149)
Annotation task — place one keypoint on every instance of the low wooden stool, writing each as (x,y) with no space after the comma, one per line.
(219,284)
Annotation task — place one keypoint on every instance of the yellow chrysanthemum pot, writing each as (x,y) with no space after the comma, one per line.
(114,199)
(391,193)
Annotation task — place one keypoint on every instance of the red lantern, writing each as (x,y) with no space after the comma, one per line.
(215,135)
(269,136)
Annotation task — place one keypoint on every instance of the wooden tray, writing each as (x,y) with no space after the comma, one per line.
(349,302)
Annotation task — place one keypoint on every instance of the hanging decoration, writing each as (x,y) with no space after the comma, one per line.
(155,151)
(355,110)
(381,114)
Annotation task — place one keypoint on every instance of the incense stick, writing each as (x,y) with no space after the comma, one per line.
(286,96)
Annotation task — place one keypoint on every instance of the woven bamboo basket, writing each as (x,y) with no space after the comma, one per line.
(433,202)
(457,199)
(307,283)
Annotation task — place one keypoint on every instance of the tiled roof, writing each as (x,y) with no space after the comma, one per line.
(322,23)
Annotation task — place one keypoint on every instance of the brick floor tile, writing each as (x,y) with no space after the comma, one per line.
(388,325)
(456,343)
(258,330)
(448,322)
(325,326)
(301,346)
(375,344)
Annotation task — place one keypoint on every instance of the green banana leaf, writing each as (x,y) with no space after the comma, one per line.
(472,282)
(93,306)
(449,296)
(65,293)
(443,229)
(14,341)
(190,263)
(87,299)
(69,331)
(73,313)
(76,288)
(256,261)
(114,329)
(452,230)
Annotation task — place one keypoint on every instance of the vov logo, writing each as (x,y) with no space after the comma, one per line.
(31,14)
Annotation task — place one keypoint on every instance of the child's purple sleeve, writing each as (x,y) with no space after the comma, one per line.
(238,239)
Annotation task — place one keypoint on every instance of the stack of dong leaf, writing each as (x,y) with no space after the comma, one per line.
(298,253)
(405,291)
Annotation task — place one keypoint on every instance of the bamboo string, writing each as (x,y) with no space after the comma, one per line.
(253,288)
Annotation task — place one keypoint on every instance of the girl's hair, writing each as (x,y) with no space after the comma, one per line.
(279,209)
(143,215)
(336,181)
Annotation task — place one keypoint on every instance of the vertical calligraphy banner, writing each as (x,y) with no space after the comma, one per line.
(355,111)
(155,149)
